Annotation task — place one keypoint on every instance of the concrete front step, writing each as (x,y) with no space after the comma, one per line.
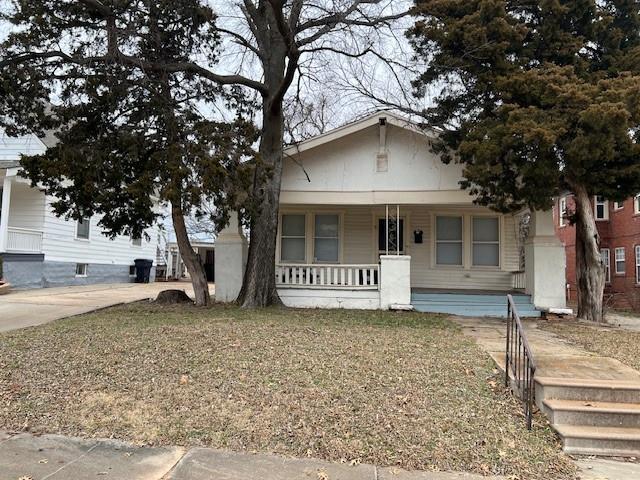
(595,414)
(472,310)
(606,441)
(591,390)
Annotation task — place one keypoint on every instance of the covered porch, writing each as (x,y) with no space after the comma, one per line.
(22,210)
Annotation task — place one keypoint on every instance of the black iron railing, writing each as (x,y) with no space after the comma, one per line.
(520,366)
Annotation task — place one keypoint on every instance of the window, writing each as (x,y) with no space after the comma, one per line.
(326,238)
(636,204)
(82,228)
(606,260)
(620,261)
(136,241)
(449,241)
(618,205)
(486,242)
(637,263)
(395,236)
(562,211)
(601,208)
(81,269)
(293,245)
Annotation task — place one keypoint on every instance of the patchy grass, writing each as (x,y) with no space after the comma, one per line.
(401,389)
(616,343)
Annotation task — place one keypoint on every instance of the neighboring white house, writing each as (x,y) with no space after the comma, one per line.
(39,249)
(370,217)
(176,269)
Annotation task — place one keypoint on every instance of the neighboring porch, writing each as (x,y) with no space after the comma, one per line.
(22,211)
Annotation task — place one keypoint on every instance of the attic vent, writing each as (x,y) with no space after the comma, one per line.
(382,162)
(383,121)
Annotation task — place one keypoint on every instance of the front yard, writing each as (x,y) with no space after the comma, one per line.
(378,387)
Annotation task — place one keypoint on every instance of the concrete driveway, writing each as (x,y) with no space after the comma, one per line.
(28,308)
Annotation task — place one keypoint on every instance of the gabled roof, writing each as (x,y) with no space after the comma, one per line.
(356,126)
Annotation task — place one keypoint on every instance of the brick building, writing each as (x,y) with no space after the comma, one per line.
(619,227)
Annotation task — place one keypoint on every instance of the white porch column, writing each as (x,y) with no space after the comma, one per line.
(230,260)
(545,263)
(4,213)
(395,281)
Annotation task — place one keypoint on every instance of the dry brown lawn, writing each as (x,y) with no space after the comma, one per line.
(623,345)
(403,389)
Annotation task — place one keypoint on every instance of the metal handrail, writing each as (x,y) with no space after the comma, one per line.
(519,361)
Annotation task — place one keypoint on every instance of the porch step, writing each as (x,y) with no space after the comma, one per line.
(592,390)
(606,441)
(483,305)
(594,414)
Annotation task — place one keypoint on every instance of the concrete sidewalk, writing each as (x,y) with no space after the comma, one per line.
(54,457)
(27,308)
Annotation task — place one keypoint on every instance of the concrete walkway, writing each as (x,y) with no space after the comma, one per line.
(54,457)
(559,358)
(27,308)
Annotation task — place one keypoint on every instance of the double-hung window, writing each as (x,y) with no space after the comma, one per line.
(636,204)
(293,239)
(606,261)
(562,211)
(620,261)
(83,228)
(136,241)
(638,264)
(601,208)
(618,205)
(449,240)
(326,238)
(486,242)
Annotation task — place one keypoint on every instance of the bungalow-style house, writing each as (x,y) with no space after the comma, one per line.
(371,218)
(38,249)
(618,224)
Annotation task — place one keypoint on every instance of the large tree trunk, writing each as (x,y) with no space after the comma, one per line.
(259,282)
(191,259)
(590,275)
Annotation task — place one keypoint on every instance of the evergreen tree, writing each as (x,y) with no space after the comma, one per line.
(127,117)
(537,97)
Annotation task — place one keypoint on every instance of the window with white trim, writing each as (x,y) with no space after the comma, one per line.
(83,227)
(562,211)
(326,238)
(606,261)
(449,240)
(618,205)
(601,208)
(636,204)
(293,239)
(81,269)
(136,241)
(485,250)
(638,264)
(620,261)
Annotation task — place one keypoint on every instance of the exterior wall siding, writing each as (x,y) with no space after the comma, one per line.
(622,229)
(360,236)
(23,270)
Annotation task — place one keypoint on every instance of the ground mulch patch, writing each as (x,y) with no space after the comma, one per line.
(403,389)
(623,345)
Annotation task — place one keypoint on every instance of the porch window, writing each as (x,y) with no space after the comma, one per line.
(606,261)
(620,261)
(449,241)
(637,263)
(562,211)
(486,242)
(395,235)
(292,242)
(326,239)
(601,208)
(83,228)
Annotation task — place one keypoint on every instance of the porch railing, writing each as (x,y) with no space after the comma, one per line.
(24,240)
(363,277)
(520,367)
(518,280)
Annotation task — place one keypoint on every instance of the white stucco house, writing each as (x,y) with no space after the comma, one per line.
(38,249)
(371,218)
